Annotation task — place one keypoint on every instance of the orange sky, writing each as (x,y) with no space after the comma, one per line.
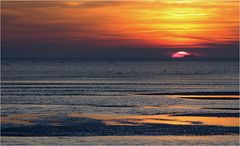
(167,25)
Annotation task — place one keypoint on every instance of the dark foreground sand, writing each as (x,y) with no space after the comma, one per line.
(93,127)
(90,126)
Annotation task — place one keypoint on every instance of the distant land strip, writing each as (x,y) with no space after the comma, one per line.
(223,108)
(212,98)
(193,93)
(209,114)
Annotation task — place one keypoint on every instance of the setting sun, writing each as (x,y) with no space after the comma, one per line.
(180,54)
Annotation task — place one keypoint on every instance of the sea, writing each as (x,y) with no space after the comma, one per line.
(119,101)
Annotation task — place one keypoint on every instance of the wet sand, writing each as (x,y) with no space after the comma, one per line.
(80,124)
(92,127)
(124,140)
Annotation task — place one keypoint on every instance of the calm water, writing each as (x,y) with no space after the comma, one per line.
(62,94)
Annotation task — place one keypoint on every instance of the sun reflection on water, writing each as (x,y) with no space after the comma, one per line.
(111,119)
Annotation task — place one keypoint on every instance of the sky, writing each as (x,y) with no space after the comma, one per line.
(120,29)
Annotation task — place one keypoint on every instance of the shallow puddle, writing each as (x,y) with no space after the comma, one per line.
(111,119)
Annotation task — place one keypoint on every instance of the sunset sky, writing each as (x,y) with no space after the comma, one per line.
(130,29)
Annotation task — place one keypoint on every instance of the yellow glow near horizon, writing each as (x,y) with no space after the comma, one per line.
(75,3)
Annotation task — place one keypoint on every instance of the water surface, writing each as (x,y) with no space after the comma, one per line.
(119,97)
